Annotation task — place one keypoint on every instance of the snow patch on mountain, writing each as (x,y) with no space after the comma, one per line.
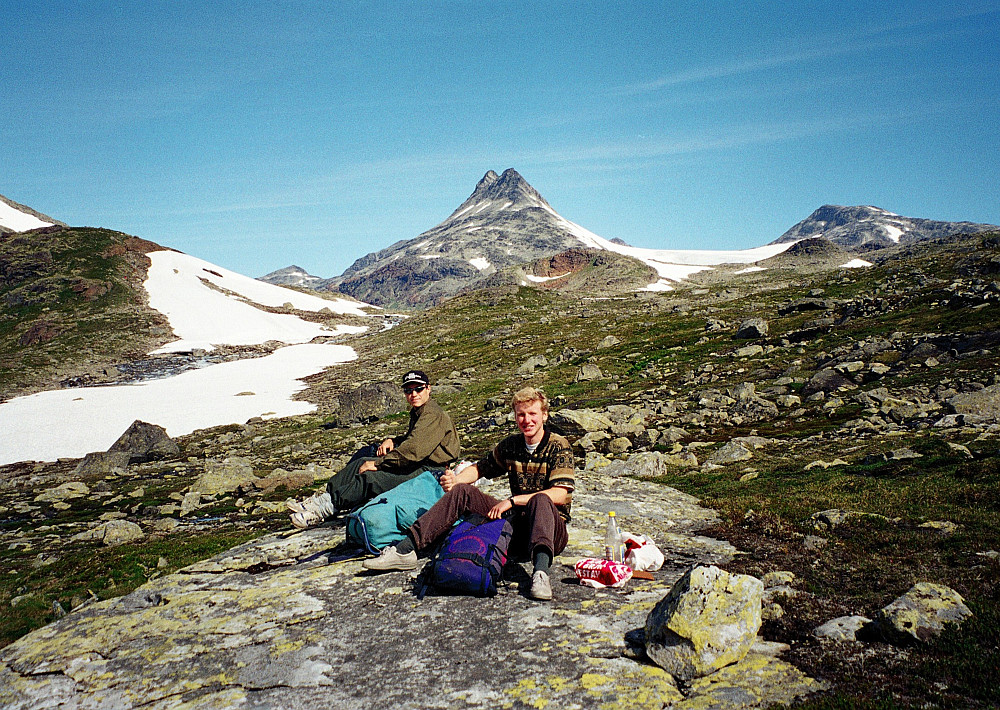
(92,418)
(856,264)
(17,221)
(202,316)
(670,264)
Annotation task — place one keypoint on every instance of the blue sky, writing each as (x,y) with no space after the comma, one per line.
(258,135)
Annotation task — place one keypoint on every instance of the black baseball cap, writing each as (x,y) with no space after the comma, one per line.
(415,377)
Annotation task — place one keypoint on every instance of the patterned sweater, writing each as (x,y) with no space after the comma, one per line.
(550,466)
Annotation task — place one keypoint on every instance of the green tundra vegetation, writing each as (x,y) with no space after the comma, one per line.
(838,451)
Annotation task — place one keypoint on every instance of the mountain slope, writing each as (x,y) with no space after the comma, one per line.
(15,217)
(503,222)
(873,227)
(72,295)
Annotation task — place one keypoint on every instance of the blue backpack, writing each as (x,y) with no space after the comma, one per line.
(471,559)
(384,520)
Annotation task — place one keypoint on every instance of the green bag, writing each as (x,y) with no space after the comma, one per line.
(384,520)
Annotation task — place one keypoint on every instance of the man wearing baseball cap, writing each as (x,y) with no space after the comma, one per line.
(430,442)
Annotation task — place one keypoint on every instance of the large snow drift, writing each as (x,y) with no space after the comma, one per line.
(202,316)
(70,423)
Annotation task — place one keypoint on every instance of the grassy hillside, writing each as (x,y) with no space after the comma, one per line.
(922,498)
(71,301)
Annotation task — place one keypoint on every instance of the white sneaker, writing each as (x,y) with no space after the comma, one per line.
(306,519)
(310,511)
(541,588)
(392,560)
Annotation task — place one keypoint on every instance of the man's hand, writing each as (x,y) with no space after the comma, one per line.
(385,447)
(447,480)
(367,466)
(499,509)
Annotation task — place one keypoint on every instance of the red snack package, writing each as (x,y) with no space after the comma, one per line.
(602,573)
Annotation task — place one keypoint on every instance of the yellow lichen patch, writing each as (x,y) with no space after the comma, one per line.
(749,682)
(594,680)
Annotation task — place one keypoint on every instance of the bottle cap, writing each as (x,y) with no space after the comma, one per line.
(611,514)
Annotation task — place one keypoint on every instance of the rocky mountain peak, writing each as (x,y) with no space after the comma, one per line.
(869,227)
(496,193)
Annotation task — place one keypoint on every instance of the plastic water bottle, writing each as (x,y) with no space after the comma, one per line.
(614,546)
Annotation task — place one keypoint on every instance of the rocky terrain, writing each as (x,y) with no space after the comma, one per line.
(839,428)
(864,227)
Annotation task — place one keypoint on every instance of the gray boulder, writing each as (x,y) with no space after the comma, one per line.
(144,442)
(103,463)
(752,328)
(577,422)
(981,406)
(367,403)
(224,476)
(843,628)
(589,372)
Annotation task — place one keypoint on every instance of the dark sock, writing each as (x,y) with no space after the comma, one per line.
(542,559)
(406,546)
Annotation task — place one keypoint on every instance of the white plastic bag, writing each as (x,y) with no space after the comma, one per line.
(642,554)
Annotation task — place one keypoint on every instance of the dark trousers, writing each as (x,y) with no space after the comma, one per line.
(537,524)
(349,489)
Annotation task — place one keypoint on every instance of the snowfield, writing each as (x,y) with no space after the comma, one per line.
(203,317)
(71,423)
(19,221)
(670,264)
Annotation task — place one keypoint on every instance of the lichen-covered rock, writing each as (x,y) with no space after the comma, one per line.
(731,452)
(63,492)
(709,620)
(843,628)
(921,613)
(224,476)
(112,533)
(291,620)
(103,463)
(577,422)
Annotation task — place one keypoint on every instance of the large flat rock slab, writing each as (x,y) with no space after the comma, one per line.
(291,620)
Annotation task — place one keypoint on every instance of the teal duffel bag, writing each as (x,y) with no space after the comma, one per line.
(384,519)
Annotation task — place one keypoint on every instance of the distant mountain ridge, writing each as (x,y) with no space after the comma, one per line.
(291,276)
(865,226)
(504,222)
(15,217)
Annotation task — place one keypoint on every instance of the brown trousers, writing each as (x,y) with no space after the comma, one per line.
(537,524)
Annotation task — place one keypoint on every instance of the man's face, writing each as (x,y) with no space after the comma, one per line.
(417,395)
(530,420)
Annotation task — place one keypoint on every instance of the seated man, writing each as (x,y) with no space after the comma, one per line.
(430,442)
(539,467)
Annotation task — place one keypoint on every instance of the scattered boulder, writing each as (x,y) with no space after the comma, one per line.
(577,422)
(588,372)
(752,328)
(104,463)
(981,406)
(709,620)
(63,492)
(827,380)
(921,613)
(532,363)
(144,442)
(367,403)
(224,476)
(731,452)
(843,628)
(609,341)
(112,533)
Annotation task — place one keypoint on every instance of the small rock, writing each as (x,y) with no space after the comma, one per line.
(844,628)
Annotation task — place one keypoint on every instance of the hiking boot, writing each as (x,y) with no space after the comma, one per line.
(541,589)
(311,511)
(392,560)
(306,519)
